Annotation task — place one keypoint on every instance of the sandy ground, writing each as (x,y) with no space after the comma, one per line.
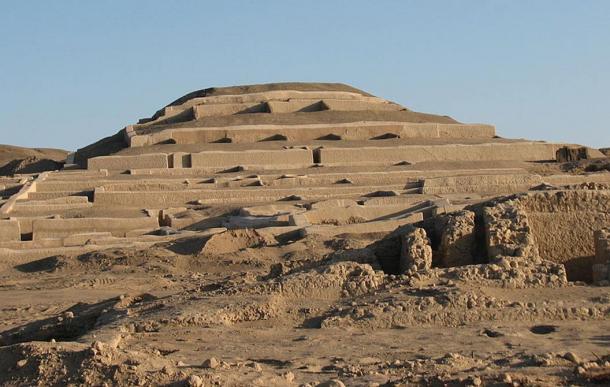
(302,313)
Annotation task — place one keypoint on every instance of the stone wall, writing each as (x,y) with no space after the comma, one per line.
(33,209)
(271,95)
(285,157)
(563,224)
(556,226)
(212,110)
(87,184)
(9,230)
(373,227)
(458,239)
(180,160)
(209,159)
(524,151)
(61,228)
(354,213)
(309,132)
(601,267)
(481,184)
(508,232)
(123,163)
(295,105)
(343,105)
(161,199)
(602,245)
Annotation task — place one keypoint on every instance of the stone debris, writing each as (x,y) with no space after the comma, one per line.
(211,363)
(194,381)
(416,252)
(457,239)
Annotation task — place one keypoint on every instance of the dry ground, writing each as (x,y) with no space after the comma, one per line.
(301,313)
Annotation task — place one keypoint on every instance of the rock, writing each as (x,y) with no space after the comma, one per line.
(69,315)
(457,239)
(476,381)
(590,364)
(571,356)
(257,183)
(22,363)
(165,231)
(332,383)
(291,198)
(194,381)
(257,367)
(211,363)
(507,379)
(97,347)
(415,251)
(167,370)
(289,376)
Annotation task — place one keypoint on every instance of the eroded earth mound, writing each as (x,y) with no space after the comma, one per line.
(17,160)
(307,235)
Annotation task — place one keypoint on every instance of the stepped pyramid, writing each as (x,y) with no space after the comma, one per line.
(338,124)
(296,158)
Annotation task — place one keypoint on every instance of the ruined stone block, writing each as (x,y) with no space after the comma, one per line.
(566,154)
(457,239)
(508,232)
(415,250)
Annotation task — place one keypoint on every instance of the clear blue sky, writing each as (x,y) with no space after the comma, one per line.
(72,72)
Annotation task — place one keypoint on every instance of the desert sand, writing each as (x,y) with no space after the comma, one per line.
(305,234)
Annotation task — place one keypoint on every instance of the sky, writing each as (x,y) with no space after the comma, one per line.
(72,72)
